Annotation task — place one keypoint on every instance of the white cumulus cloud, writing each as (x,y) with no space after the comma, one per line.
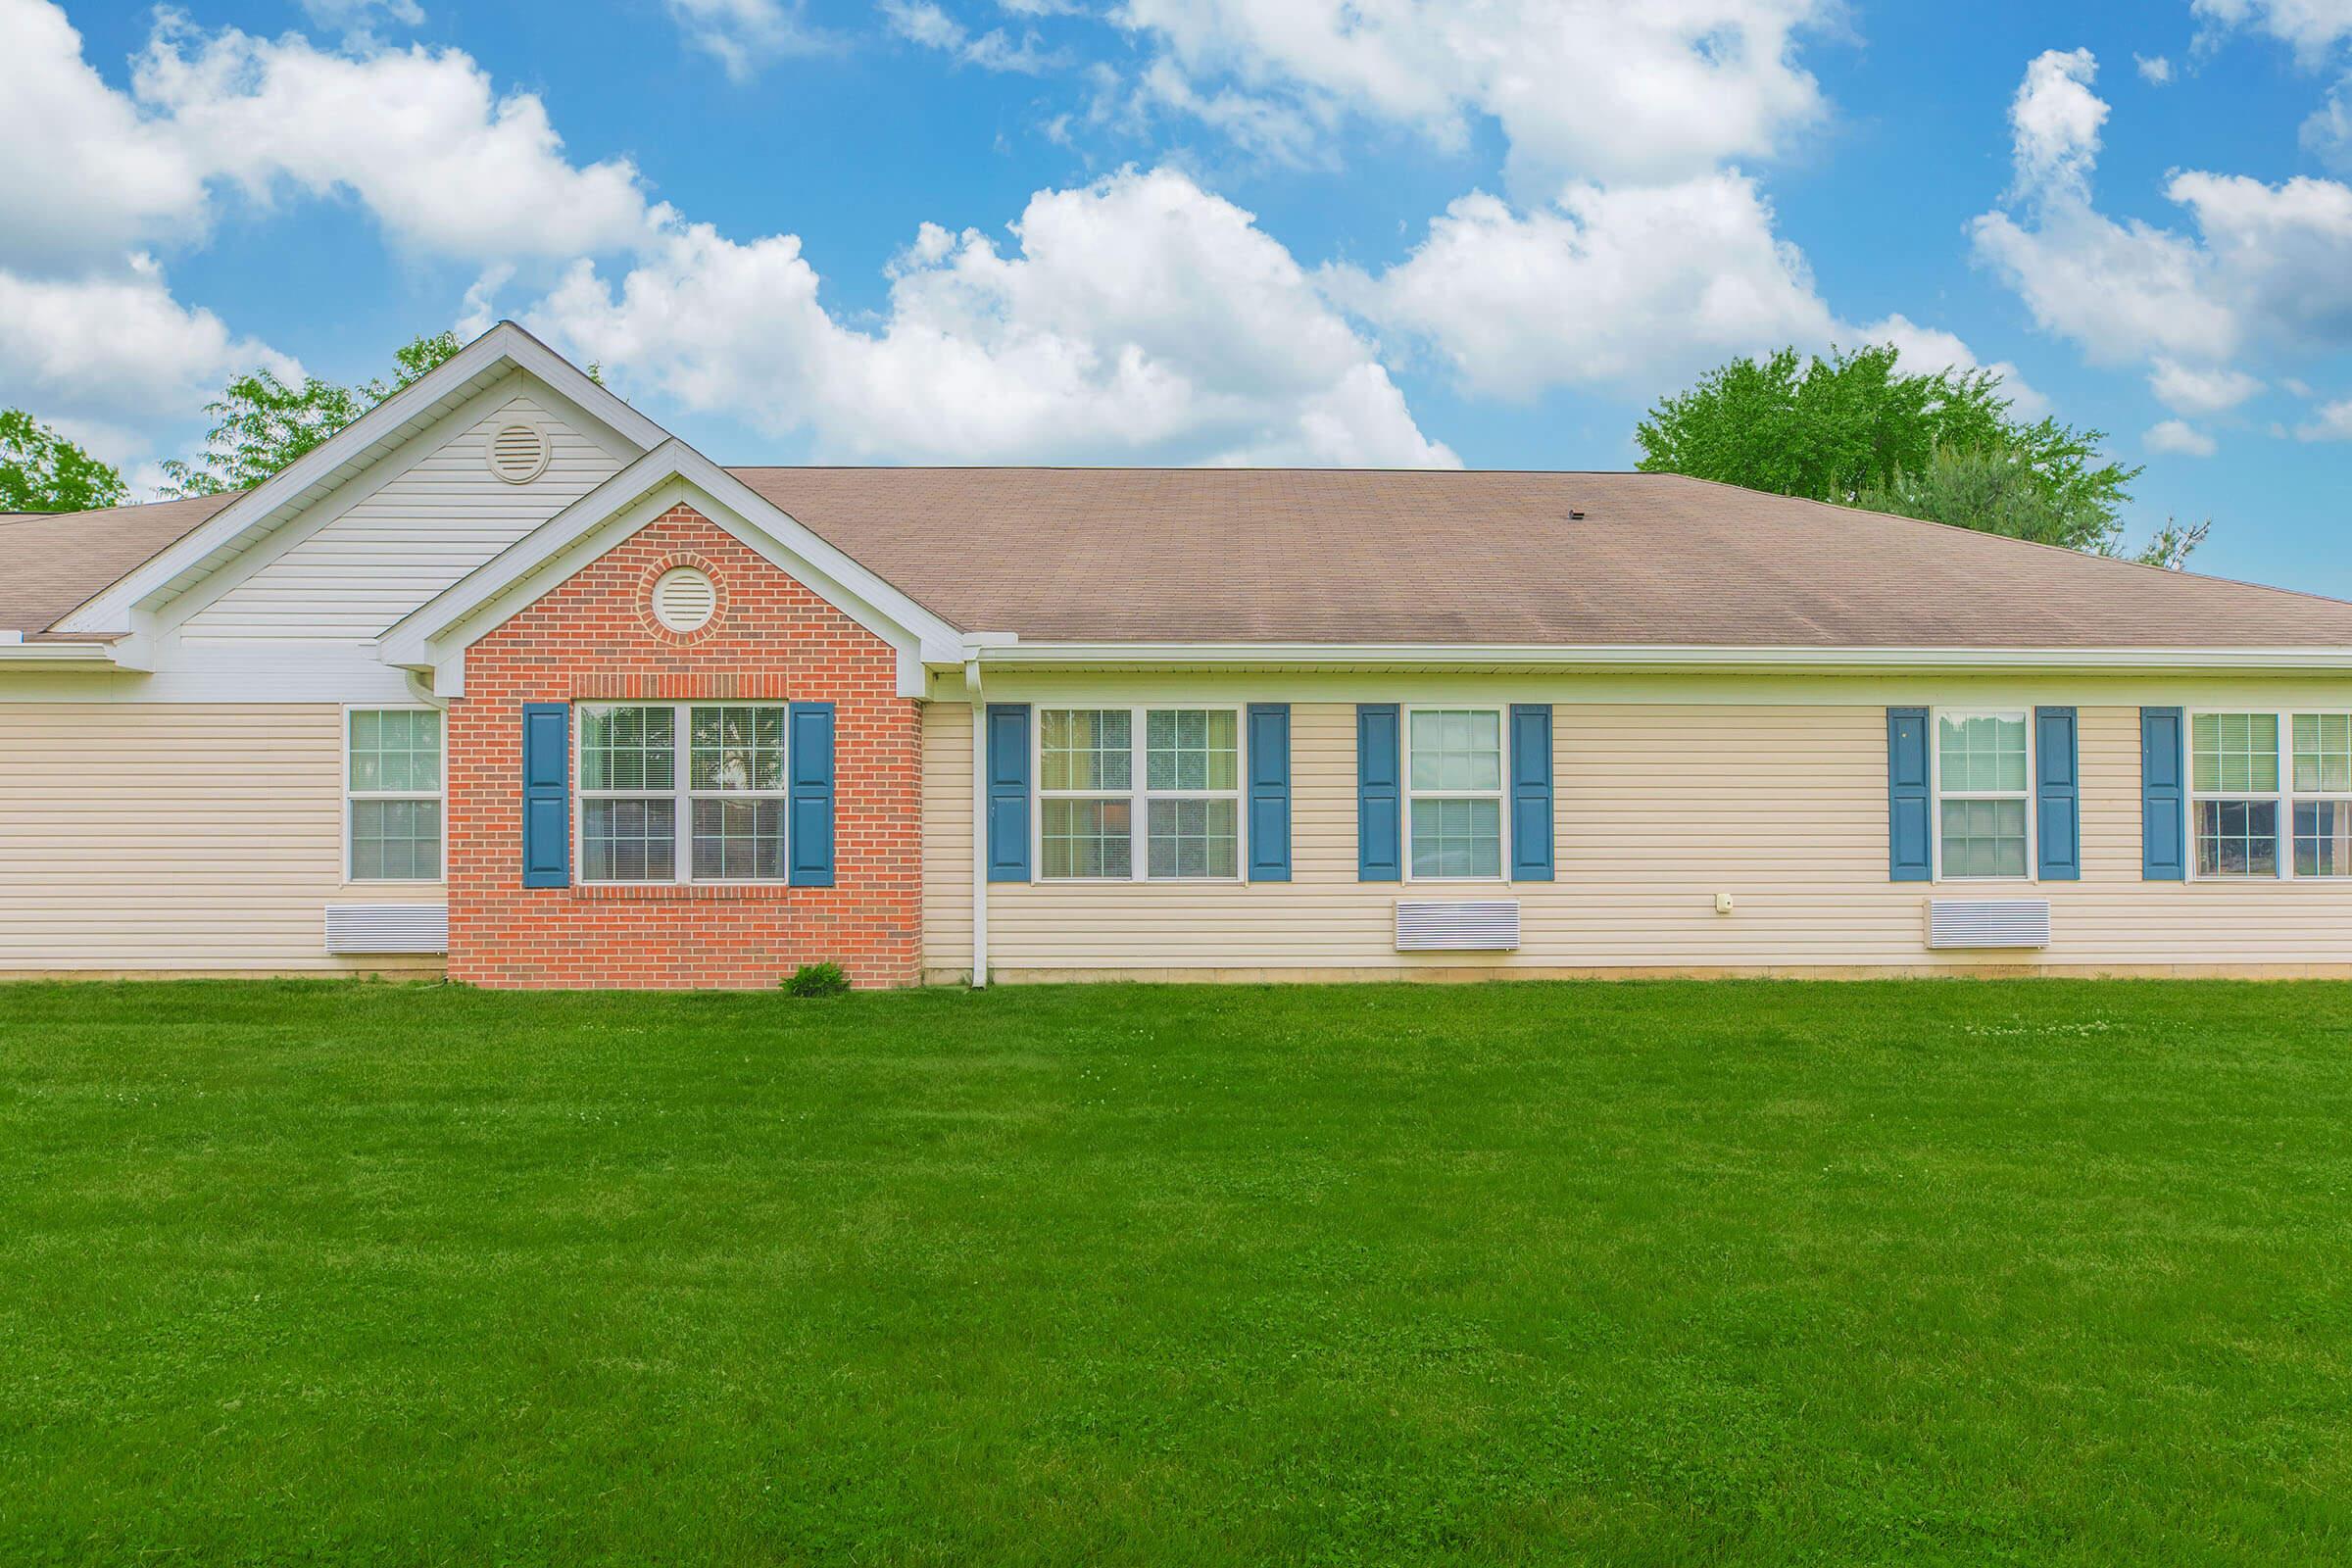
(1630,287)
(419,136)
(2055,119)
(447,165)
(2179,438)
(105,178)
(2260,269)
(2193,390)
(116,347)
(1585,89)
(2310,27)
(1140,319)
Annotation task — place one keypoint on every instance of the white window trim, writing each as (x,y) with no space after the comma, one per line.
(683,796)
(1139,798)
(1500,795)
(439,797)
(1936,718)
(2284,797)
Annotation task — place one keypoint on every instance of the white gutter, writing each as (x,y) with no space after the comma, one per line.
(15,652)
(971,689)
(1649,657)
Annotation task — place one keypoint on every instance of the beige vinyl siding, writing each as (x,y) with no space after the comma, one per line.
(1659,808)
(176,838)
(393,549)
(948,838)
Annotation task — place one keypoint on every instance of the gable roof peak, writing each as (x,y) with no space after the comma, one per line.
(245,522)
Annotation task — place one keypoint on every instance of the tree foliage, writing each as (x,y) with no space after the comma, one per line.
(1855,430)
(1994,490)
(260,424)
(41,470)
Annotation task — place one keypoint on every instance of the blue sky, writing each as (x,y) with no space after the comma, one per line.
(1210,230)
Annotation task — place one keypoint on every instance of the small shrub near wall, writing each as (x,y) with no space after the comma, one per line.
(817,980)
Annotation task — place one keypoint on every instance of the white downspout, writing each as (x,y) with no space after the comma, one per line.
(971,689)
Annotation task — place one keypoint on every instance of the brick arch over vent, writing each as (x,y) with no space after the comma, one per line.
(591,639)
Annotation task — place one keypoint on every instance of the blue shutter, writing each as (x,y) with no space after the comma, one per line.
(546,795)
(1379,797)
(810,748)
(1269,792)
(1009,792)
(1531,791)
(1910,837)
(2163,814)
(2058,794)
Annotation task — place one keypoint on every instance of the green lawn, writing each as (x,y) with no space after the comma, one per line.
(1674,1274)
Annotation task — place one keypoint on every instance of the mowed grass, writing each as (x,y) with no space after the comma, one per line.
(1676,1274)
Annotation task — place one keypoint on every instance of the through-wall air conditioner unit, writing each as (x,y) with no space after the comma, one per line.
(387,928)
(1457,925)
(1988,922)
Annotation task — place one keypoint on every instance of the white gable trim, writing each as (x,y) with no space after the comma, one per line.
(297,526)
(436,636)
(337,461)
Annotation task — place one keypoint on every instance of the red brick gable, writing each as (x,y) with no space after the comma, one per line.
(595,637)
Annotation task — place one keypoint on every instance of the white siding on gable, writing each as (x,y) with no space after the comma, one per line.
(390,551)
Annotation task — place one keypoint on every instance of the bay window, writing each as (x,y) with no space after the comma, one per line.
(1102,770)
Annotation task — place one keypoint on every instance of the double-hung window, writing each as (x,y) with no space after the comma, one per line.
(2323,799)
(1102,772)
(2233,777)
(714,815)
(1453,774)
(392,794)
(2255,776)
(1984,800)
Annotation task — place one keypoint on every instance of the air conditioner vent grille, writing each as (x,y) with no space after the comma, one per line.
(387,928)
(1457,925)
(1988,922)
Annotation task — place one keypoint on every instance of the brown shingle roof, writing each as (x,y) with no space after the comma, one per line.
(1212,555)
(50,561)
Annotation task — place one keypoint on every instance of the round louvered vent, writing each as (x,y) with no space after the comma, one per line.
(519,454)
(684,599)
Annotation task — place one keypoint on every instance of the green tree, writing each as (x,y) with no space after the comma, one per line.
(260,424)
(41,470)
(1855,430)
(1996,491)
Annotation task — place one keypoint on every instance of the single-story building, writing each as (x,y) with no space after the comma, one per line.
(508,682)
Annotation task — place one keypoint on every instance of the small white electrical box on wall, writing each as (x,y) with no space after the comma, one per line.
(1723,903)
